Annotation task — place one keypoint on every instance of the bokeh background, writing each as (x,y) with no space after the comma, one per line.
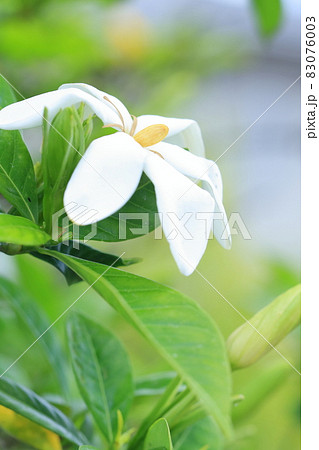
(215,62)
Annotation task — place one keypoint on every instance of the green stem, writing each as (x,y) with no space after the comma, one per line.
(181,405)
(156,412)
(194,416)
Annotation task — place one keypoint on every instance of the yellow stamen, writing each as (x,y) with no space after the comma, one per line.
(116,108)
(151,135)
(113,125)
(134,125)
(156,153)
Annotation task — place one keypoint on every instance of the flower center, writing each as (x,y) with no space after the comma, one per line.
(151,135)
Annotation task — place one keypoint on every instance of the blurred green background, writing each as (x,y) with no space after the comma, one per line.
(218,62)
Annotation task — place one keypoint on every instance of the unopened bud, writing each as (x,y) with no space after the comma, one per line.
(64,142)
(265,329)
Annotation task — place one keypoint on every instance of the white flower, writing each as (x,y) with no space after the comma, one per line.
(110,171)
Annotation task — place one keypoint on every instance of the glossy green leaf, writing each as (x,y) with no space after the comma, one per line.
(7,95)
(21,231)
(120,227)
(268,14)
(103,372)
(36,321)
(204,434)
(82,251)
(28,404)
(17,179)
(176,326)
(158,436)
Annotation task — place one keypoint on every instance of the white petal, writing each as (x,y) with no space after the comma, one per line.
(186,219)
(220,226)
(105,178)
(29,113)
(32,138)
(201,169)
(191,165)
(189,129)
(100,95)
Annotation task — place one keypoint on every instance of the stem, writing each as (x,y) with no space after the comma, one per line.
(181,405)
(179,397)
(194,416)
(156,412)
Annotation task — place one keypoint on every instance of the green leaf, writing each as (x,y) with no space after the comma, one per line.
(21,231)
(158,436)
(63,146)
(116,227)
(176,326)
(82,251)
(203,434)
(28,404)
(103,372)
(37,323)
(7,95)
(17,179)
(268,14)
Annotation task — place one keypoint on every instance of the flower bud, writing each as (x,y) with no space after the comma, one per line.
(63,145)
(265,329)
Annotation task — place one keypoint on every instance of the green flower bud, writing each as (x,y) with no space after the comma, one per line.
(246,345)
(64,143)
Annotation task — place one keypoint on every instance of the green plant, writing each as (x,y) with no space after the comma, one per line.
(192,407)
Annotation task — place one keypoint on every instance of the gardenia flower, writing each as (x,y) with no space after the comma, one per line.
(110,170)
